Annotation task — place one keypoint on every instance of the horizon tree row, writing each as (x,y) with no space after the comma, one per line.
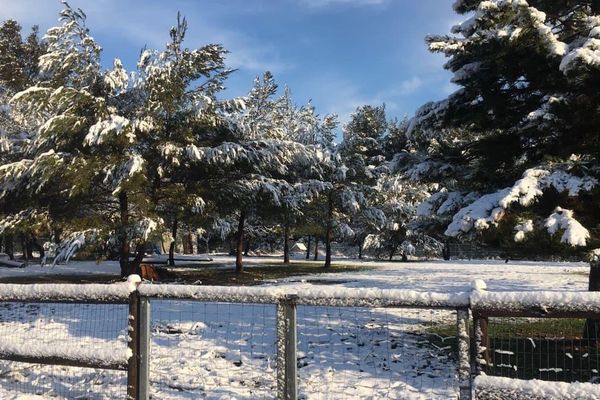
(111,159)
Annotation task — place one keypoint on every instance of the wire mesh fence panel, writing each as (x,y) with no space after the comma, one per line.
(48,329)
(203,350)
(553,349)
(359,353)
(22,380)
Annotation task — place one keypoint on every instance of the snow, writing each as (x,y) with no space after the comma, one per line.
(100,355)
(490,208)
(522,229)
(479,284)
(117,292)
(543,301)
(115,124)
(573,232)
(493,387)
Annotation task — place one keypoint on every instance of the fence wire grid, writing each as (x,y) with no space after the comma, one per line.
(213,343)
(551,349)
(228,350)
(381,353)
(48,326)
(212,350)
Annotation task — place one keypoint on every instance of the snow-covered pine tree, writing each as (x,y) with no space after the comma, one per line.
(18,69)
(362,153)
(105,138)
(301,124)
(528,72)
(386,221)
(179,88)
(248,170)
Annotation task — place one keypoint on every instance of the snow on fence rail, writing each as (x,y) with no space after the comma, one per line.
(329,296)
(532,304)
(69,293)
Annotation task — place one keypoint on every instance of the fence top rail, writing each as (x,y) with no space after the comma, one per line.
(535,304)
(328,296)
(75,293)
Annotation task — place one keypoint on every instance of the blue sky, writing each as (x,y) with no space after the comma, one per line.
(339,53)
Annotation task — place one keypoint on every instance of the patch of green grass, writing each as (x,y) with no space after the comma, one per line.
(547,328)
(255,274)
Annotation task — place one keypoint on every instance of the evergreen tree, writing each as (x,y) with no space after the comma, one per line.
(527,115)
(18,69)
(104,139)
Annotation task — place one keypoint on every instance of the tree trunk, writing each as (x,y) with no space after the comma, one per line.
(329,232)
(316,248)
(24,249)
(188,247)
(592,326)
(135,264)
(29,247)
(57,235)
(9,247)
(239,266)
(172,245)
(446,250)
(360,248)
(123,236)
(286,244)
(392,252)
(308,248)
(37,246)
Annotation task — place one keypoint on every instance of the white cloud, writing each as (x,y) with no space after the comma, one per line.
(149,25)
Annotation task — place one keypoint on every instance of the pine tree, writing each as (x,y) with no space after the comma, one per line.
(104,139)
(528,107)
(18,68)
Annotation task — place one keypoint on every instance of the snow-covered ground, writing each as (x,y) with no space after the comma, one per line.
(227,351)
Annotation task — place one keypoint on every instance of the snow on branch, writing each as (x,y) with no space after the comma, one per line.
(73,243)
(119,174)
(115,124)
(584,54)
(522,229)
(490,208)
(573,232)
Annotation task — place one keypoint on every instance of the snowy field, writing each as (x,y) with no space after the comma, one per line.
(227,351)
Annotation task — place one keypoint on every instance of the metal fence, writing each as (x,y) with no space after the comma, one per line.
(185,341)
(532,336)
(259,343)
(64,341)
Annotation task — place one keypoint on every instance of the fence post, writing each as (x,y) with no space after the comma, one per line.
(286,349)
(464,359)
(139,346)
(144,349)
(482,343)
(132,330)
